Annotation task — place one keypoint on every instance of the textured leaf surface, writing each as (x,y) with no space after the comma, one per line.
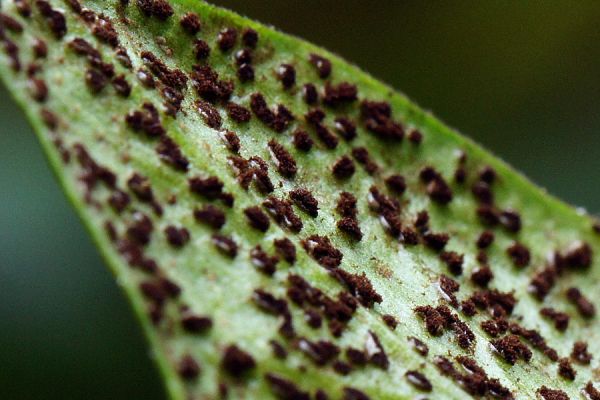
(195,302)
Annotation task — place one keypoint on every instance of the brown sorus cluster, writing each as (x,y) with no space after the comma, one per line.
(474,381)
(321,249)
(453,260)
(419,346)
(437,188)
(210,187)
(485,239)
(196,323)
(565,369)
(238,113)
(236,361)
(257,218)
(213,95)
(322,65)
(449,287)
(190,22)
(302,141)
(315,118)
(519,254)
(201,49)
(362,156)
(580,353)
(286,249)
(348,224)
(560,319)
(278,120)
(377,119)
(286,165)
(160,9)
(511,349)
(390,321)
(285,389)
(188,368)
(585,307)
(146,120)
(287,75)
(359,286)
(495,327)
(169,152)
(482,276)
(177,237)
(210,215)
(440,318)
(283,213)
(591,391)
(225,244)
(418,380)
(552,394)
(304,199)
(337,311)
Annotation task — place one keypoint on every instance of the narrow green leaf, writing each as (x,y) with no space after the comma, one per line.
(136,112)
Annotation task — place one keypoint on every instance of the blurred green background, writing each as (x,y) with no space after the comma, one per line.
(521,78)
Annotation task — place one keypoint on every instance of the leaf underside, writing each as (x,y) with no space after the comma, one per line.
(148,187)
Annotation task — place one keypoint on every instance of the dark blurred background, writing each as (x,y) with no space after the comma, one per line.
(521,78)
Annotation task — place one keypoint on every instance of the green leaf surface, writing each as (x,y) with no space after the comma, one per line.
(95,154)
